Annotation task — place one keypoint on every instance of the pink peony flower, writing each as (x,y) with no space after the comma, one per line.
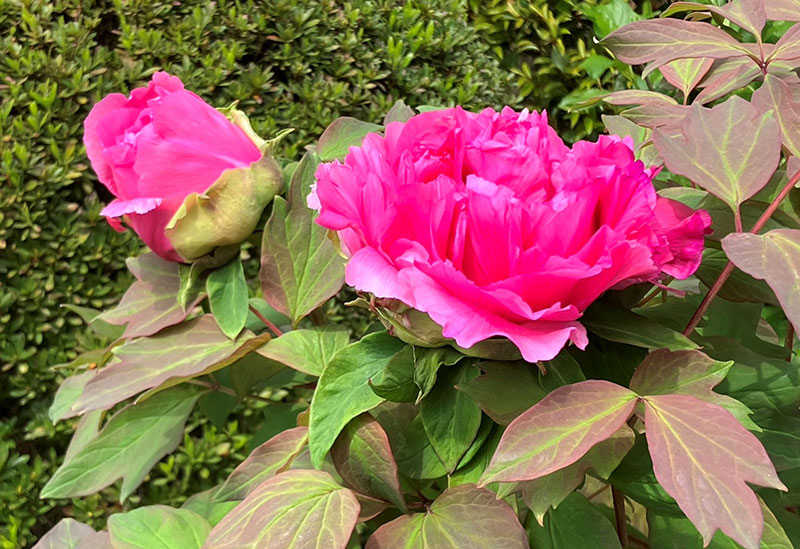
(154,148)
(492,226)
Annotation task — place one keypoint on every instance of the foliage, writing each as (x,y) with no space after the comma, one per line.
(550,47)
(288,63)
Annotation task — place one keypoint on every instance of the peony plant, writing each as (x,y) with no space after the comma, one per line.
(561,346)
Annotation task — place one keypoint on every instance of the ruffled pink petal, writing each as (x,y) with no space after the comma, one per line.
(118,208)
(104,112)
(685,231)
(150,228)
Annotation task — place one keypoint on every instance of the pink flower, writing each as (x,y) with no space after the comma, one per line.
(155,147)
(492,226)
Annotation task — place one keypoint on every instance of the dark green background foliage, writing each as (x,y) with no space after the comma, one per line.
(290,63)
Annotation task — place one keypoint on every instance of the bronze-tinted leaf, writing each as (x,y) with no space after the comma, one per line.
(692,373)
(187,350)
(748,14)
(464,516)
(71,534)
(559,430)
(158,527)
(704,458)
(782,10)
(787,48)
(269,459)
(660,41)
(726,77)
(549,491)
(712,153)
(775,94)
(363,457)
(151,303)
(685,74)
(298,509)
(775,258)
(343,133)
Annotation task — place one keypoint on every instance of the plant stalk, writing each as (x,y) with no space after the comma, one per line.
(619,516)
(726,272)
(275,330)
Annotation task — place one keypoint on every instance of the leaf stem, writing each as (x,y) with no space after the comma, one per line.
(226,390)
(726,272)
(619,516)
(275,330)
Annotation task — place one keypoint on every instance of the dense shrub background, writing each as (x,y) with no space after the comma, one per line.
(291,63)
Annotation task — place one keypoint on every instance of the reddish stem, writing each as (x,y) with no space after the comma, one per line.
(726,272)
(266,321)
(619,516)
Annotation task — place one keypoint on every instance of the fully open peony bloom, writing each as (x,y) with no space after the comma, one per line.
(158,146)
(492,226)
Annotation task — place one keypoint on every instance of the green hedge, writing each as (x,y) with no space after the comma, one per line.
(290,64)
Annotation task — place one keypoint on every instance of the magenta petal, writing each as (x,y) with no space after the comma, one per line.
(118,208)
(685,231)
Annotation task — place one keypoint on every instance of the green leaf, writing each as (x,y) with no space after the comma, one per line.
(98,325)
(343,390)
(560,371)
(427,362)
(709,151)
(658,42)
(207,506)
(251,370)
(151,303)
(596,65)
(266,461)
(688,373)
(549,491)
(71,534)
(396,381)
(188,350)
(608,360)
(559,430)
(300,266)
(505,390)
(451,418)
(609,16)
(127,447)
(363,457)
(575,523)
(158,527)
(227,296)
(400,112)
(704,458)
(296,509)
(464,516)
(308,350)
(343,133)
(775,258)
(412,449)
(68,393)
(623,326)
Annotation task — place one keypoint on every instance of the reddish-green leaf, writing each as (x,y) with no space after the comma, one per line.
(687,373)
(559,430)
(637,97)
(726,77)
(297,509)
(713,154)
(549,491)
(464,516)
(685,74)
(775,258)
(68,392)
(151,303)
(775,94)
(660,41)
(308,350)
(400,112)
(363,457)
(269,459)
(188,350)
(788,47)
(127,447)
(782,10)
(71,534)
(703,457)
(748,14)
